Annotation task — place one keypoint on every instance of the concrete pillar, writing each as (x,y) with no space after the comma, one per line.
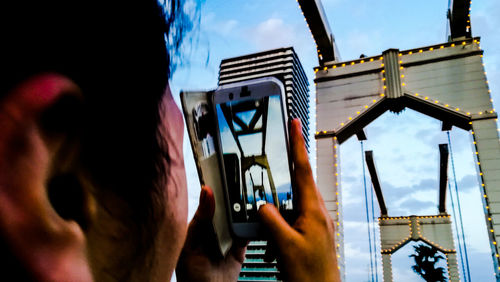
(452,267)
(387,267)
(328,182)
(392,74)
(487,146)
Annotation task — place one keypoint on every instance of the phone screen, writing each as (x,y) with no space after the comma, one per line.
(254,150)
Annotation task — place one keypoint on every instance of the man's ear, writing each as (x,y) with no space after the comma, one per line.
(43,208)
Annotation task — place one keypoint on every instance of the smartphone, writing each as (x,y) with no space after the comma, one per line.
(252,139)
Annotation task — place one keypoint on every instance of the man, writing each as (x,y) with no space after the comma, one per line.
(92,182)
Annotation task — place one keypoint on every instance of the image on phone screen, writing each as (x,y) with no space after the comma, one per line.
(254,150)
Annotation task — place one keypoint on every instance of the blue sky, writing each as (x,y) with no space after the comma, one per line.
(406,153)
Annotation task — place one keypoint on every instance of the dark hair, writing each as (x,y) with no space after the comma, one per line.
(120,54)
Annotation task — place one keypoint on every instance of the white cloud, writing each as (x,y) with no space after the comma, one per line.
(211,24)
(228,26)
(354,224)
(353,251)
(349,197)
(404,274)
(474,222)
(418,196)
(272,33)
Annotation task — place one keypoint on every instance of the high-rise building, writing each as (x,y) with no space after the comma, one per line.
(284,65)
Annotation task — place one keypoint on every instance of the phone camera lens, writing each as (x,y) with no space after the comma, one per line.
(231,96)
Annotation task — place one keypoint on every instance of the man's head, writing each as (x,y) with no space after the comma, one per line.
(91,167)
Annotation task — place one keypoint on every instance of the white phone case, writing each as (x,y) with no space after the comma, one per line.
(195,105)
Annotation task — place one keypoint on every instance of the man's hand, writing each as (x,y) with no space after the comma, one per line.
(200,259)
(305,250)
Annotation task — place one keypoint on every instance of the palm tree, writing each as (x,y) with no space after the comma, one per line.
(426,258)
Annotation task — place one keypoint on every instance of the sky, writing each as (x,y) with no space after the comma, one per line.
(406,153)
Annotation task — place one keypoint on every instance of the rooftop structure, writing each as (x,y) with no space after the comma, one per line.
(282,64)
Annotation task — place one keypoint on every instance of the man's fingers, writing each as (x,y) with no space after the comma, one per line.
(304,180)
(200,225)
(238,249)
(280,231)
(206,206)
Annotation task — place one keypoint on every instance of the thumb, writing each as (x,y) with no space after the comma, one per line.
(206,206)
(281,232)
(201,222)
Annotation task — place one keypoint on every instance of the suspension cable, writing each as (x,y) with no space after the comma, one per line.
(459,208)
(367,210)
(455,221)
(375,252)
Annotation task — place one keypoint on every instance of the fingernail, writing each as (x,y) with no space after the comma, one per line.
(295,122)
(203,195)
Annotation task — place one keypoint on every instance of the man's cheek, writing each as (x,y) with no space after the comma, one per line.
(180,183)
